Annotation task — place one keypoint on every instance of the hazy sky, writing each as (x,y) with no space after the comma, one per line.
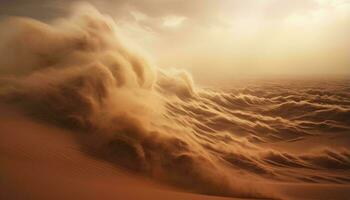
(223,39)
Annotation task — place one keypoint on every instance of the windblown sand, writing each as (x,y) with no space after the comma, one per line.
(84,115)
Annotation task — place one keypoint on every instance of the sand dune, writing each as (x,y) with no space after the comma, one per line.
(45,162)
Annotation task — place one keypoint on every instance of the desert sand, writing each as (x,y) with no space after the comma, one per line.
(40,161)
(44,162)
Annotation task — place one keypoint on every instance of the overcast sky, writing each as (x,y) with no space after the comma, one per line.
(222,39)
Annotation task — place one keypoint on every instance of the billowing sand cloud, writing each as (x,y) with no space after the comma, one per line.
(80,73)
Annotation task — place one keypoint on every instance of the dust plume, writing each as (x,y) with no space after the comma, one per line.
(81,73)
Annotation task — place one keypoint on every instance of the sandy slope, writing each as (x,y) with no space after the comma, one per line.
(44,162)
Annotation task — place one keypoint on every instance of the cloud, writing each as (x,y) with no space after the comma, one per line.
(173,21)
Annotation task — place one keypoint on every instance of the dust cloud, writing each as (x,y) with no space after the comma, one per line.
(80,73)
